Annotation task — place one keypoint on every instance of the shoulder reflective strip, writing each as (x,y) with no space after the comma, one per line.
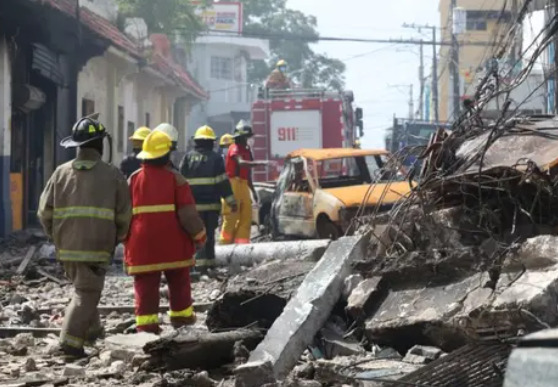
(83,256)
(205,263)
(72,341)
(148,319)
(242,241)
(84,212)
(159,267)
(153,209)
(201,181)
(208,207)
(188,312)
(84,164)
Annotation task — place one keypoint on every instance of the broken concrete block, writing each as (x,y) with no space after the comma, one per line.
(30,365)
(74,371)
(363,298)
(534,254)
(410,314)
(307,310)
(117,367)
(535,291)
(351,282)
(123,354)
(254,374)
(421,354)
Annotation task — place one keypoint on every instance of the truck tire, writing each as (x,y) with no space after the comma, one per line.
(328,230)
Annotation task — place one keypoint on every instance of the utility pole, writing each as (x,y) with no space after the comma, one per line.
(454,63)
(555,63)
(421,80)
(412,102)
(434,87)
(514,14)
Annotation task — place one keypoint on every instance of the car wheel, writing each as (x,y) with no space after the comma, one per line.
(328,230)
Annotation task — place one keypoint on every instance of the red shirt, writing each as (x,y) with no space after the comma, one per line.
(156,240)
(231,165)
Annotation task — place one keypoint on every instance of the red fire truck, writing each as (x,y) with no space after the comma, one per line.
(286,120)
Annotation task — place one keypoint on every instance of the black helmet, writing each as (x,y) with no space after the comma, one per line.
(243,128)
(87,129)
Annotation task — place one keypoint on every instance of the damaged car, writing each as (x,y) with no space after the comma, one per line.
(319,191)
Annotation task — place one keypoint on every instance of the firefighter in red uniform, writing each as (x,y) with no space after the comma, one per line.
(238,163)
(164,234)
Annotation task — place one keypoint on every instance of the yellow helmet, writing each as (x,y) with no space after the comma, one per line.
(205,133)
(281,63)
(226,140)
(140,134)
(156,145)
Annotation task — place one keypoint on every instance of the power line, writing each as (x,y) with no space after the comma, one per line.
(314,39)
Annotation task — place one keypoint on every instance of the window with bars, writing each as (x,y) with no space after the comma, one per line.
(221,68)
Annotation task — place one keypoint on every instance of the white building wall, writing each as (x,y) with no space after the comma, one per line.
(92,85)
(5,99)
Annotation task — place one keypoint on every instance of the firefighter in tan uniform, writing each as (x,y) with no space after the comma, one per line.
(278,79)
(86,210)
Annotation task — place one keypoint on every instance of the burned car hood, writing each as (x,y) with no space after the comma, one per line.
(354,195)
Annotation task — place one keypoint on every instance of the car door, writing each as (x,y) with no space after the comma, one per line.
(293,200)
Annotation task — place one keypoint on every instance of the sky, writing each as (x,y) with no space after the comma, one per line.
(378,74)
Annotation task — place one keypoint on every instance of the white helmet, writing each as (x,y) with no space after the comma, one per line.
(169,130)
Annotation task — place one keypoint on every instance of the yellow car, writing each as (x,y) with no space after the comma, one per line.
(320,190)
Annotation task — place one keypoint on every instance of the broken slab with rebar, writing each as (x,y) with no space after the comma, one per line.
(305,313)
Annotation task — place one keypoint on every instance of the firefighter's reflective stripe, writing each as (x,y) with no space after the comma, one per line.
(72,341)
(205,263)
(148,319)
(242,241)
(160,266)
(230,199)
(188,312)
(84,164)
(84,212)
(208,207)
(84,256)
(154,209)
(207,180)
(225,238)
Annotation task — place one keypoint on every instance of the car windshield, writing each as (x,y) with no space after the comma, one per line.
(341,172)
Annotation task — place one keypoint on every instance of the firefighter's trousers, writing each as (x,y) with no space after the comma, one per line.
(237,225)
(205,257)
(81,321)
(146,288)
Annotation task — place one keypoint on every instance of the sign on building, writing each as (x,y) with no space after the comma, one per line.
(222,17)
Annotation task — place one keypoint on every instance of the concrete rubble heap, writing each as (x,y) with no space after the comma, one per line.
(464,265)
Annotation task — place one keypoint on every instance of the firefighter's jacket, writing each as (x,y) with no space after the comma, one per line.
(165,224)
(205,171)
(278,80)
(85,208)
(130,164)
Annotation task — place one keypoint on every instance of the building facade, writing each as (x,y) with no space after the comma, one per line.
(59,62)
(220,61)
(486,23)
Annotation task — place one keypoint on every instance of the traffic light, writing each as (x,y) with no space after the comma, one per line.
(359,123)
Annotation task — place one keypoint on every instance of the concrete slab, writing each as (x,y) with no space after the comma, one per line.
(306,312)
(407,314)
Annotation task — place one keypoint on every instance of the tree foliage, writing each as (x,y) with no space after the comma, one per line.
(165,16)
(268,19)
(283,27)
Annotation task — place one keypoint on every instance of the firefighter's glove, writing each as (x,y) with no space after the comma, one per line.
(200,239)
